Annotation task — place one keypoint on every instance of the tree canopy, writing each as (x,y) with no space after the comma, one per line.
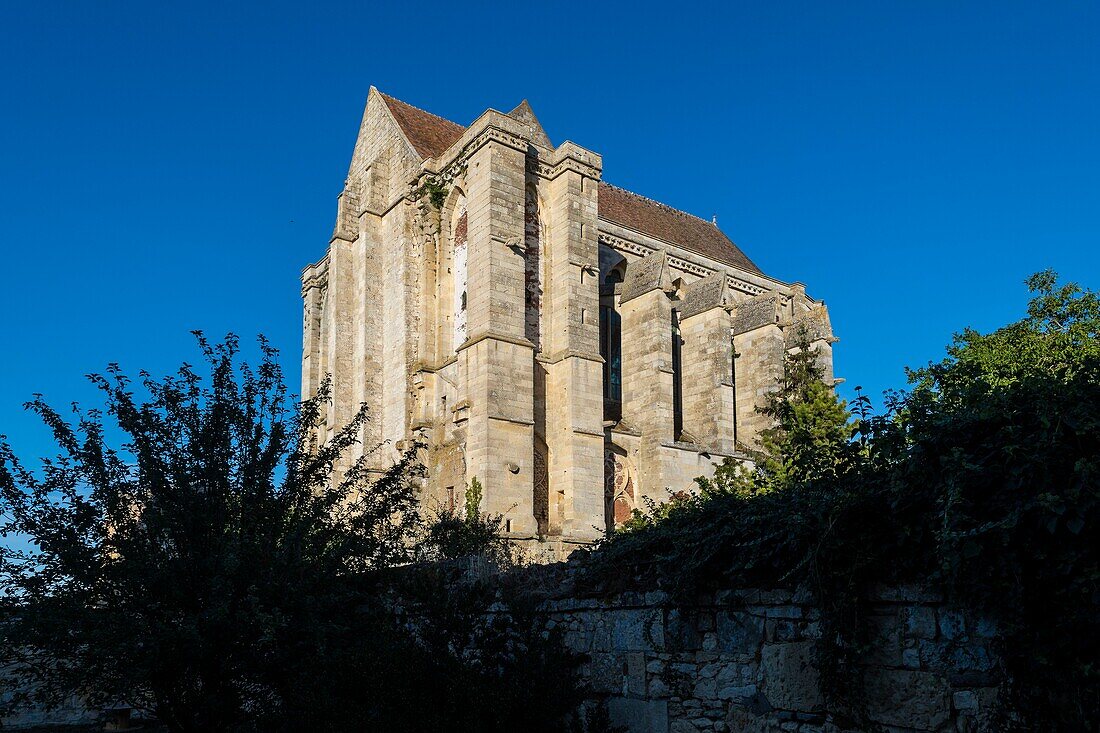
(981,480)
(225,569)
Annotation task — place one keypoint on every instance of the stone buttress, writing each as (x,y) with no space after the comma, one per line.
(501,310)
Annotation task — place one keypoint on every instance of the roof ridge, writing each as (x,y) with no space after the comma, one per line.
(391,98)
(663,205)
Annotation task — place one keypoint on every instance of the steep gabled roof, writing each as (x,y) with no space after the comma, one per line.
(672,225)
(428,133)
(431,135)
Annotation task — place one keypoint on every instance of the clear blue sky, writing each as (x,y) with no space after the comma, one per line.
(170,166)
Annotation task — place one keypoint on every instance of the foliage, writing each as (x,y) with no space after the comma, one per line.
(810,440)
(1004,436)
(982,479)
(474,494)
(441,663)
(655,512)
(226,570)
(452,535)
(435,190)
(188,571)
(811,436)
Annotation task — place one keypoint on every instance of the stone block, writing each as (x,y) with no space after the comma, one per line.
(885,641)
(682,631)
(750,715)
(634,675)
(790,680)
(952,625)
(919,622)
(636,630)
(737,693)
(605,673)
(781,629)
(965,700)
(739,632)
(705,689)
(970,658)
(639,716)
(919,700)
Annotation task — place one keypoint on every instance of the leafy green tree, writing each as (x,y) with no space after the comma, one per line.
(195,570)
(1003,438)
(812,432)
(810,438)
(982,480)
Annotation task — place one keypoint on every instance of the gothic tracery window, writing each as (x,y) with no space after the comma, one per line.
(619,496)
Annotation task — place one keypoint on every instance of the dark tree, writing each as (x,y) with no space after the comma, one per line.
(198,569)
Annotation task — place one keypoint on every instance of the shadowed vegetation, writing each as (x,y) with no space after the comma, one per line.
(223,569)
(982,480)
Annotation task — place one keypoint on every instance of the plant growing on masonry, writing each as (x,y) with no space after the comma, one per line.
(473,500)
(452,535)
(435,190)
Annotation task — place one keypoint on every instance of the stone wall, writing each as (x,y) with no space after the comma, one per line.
(744,661)
(71,713)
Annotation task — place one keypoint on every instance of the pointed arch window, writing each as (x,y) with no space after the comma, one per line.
(611,345)
(677,378)
(459,274)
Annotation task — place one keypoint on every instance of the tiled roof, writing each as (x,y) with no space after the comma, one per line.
(672,225)
(428,133)
(431,135)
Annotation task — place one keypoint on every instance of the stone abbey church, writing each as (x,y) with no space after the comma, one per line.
(575,346)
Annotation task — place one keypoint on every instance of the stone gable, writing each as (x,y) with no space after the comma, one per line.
(576,347)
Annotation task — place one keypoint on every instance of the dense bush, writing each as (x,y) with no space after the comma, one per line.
(982,479)
(224,569)
(452,534)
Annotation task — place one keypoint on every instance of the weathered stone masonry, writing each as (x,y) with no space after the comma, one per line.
(575,346)
(743,662)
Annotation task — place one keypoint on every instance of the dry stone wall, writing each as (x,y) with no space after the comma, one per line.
(745,661)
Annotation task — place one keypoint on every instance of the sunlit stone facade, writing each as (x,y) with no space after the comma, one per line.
(574,346)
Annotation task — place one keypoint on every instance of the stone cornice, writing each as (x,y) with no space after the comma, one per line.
(479,337)
(490,126)
(570,353)
(515,420)
(626,240)
(565,158)
(315,275)
(494,134)
(493,126)
(422,366)
(399,199)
